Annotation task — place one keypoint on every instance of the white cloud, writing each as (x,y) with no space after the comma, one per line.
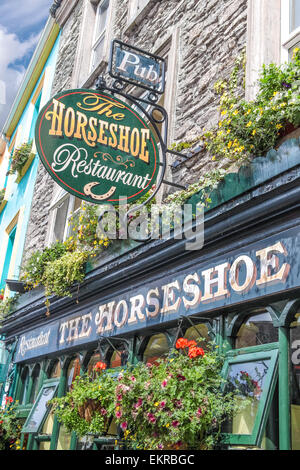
(11,50)
(22,14)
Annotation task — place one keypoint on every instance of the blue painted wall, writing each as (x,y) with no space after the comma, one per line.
(20,194)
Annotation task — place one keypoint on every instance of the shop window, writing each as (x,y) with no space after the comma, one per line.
(55,370)
(255,330)
(290,27)
(157,347)
(64,439)
(34,383)
(295,381)
(96,357)
(72,372)
(100,34)
(24,386)
(253,377)
(118,358)
(198,333)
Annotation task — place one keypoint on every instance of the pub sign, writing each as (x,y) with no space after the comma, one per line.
(96,147)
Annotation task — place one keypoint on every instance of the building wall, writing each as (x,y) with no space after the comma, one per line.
(19,195)
(206,38)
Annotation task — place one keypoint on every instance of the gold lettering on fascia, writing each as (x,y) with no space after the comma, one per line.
(218,282)
(76,328)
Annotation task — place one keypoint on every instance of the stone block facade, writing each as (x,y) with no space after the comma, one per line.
(207,35)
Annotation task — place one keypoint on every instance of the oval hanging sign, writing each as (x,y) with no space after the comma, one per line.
(96,147)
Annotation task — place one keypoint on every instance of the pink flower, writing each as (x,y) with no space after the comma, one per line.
(175,424)
(151,418)
(119,397)
(162,404)
(164,383)
(118,414)
(181,378)
(124,425)
(132,378)
(138,404)
(199,412)
(103,411)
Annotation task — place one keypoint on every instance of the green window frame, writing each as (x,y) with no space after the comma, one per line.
(35,430)
(243,356)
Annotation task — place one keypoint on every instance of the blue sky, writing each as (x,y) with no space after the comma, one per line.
(21,23)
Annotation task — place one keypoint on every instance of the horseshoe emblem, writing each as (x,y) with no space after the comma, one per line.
(101,197)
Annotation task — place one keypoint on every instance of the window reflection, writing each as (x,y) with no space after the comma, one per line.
(35,381)
(119,357)
(156,347)
(55,371)
(248,380)
(73,371)
(198,333)
(257,329)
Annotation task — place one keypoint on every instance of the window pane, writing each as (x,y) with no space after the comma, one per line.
(64,439)
(25,381)
(35,381)
(60,220)
(256,330)
(295,382)
(73,371)
(156,347)
(248,379)
(119,358)
(101,20)
(294,14)
(93,361)
(97,53)
(198,333)
(55,371)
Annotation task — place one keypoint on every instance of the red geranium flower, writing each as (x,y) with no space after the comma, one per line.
(181,343)
(100,366)
(195,352)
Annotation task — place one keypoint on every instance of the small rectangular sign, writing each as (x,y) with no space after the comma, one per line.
(137,67)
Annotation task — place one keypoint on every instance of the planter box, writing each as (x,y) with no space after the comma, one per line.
(2,205)
(25,167)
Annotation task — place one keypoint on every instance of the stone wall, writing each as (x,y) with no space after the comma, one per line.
(212,34)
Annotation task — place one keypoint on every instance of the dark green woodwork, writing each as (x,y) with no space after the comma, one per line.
(251,355)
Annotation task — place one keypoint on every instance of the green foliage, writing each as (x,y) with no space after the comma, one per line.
(248,128)
(6,306)
(88,407)
(2,194)
(206,183)
(34,269)
(61,274)
(175,403)
(10,429)
(85,235)
(20,158)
